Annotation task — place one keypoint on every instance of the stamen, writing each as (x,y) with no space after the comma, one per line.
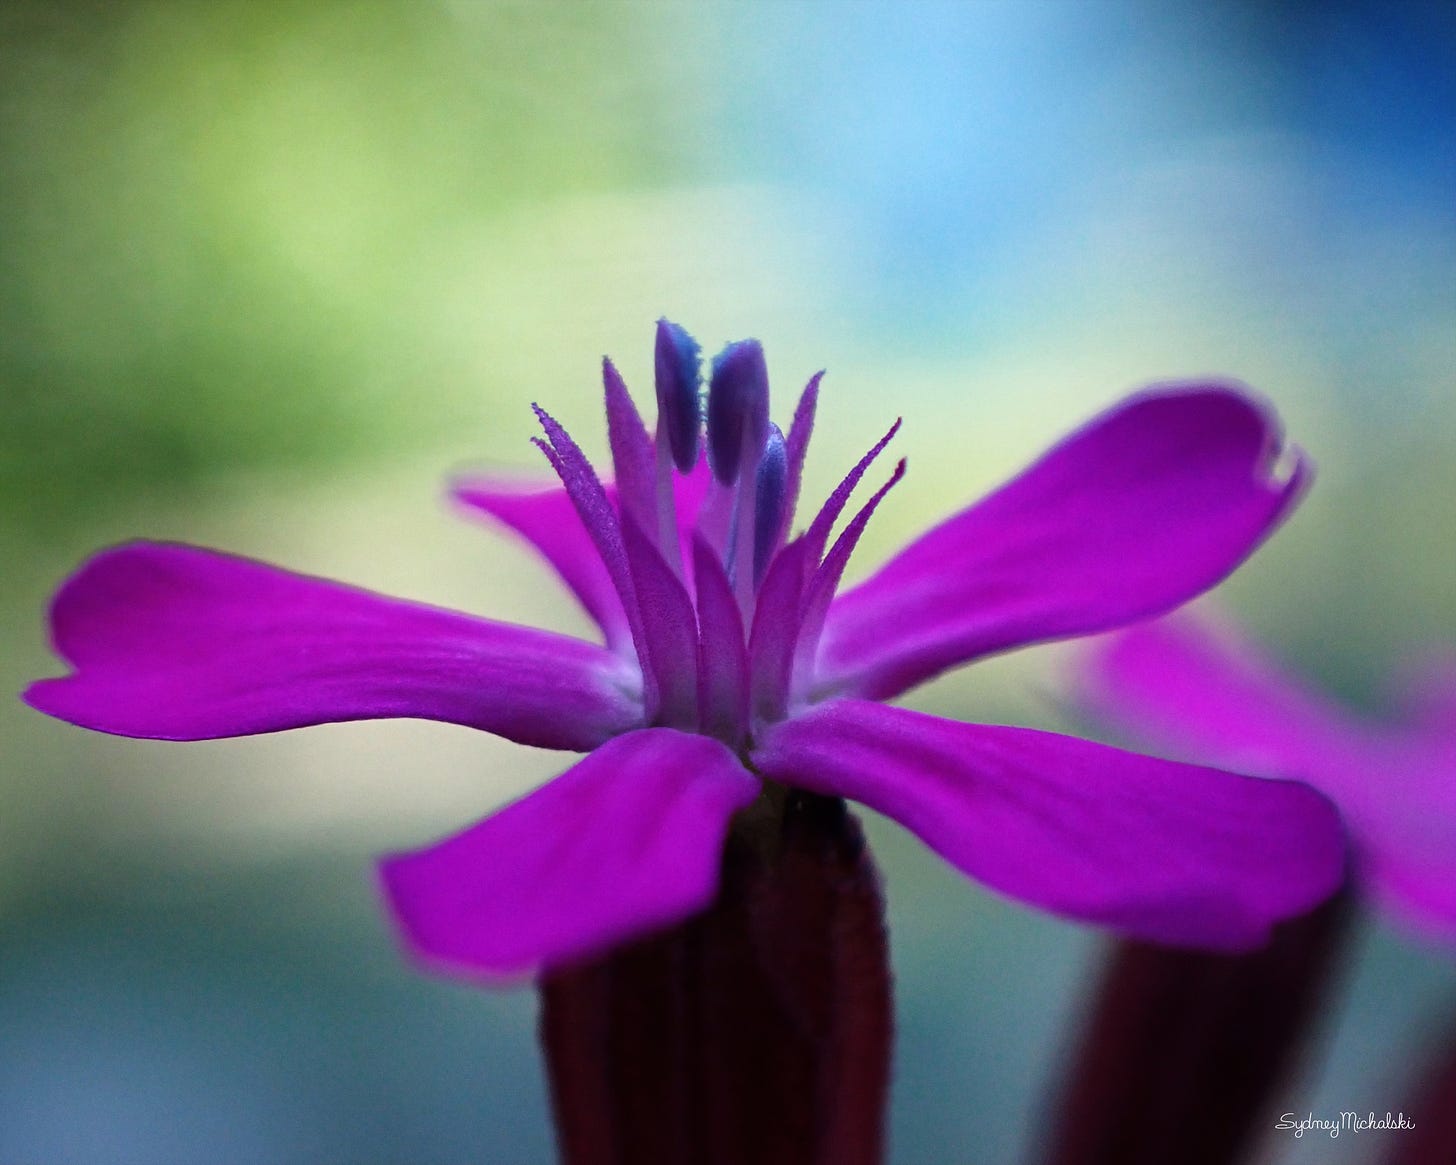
(769,501)
(737,430)
(678,368)
(737,408)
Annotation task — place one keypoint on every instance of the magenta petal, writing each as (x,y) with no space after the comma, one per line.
(1147,506)
(819,592)
(689,493)
(775,631)
(633,457)
(817,536)
(1418,890)
(1399,796)
(546,517)
(625,842)
(179,643)
(602,522)
(1158,850)
(1427,694)
(1406,823)
(1199,691)
(690,490)
(722,653)
(800,430)
(669,629)
(1196,690)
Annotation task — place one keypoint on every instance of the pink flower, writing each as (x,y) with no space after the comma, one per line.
(730,660)
(1202,691)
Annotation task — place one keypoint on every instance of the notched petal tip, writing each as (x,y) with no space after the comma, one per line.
(1289,473)
(1219,412)
(1251,416)
(175,642)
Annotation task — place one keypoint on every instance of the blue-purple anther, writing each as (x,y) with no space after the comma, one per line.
(769,501)
(737,408)
(678,369)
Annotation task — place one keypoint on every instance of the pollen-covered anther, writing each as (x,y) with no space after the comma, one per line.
(677,366)
(737,407)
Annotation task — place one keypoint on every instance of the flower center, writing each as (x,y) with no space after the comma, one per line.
(726,613)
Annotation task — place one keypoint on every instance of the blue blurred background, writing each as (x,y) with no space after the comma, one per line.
(267,270)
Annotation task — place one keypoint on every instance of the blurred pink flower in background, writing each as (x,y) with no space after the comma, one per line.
(1198,689)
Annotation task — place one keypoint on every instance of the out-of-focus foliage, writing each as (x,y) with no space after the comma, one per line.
(215,219)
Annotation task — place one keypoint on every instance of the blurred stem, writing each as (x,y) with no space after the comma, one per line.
(1433,1139)
(1184,1050)
(758,1032)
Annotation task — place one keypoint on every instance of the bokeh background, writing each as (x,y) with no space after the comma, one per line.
(268,270)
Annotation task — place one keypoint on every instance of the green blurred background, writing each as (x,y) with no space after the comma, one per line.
(269,270)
